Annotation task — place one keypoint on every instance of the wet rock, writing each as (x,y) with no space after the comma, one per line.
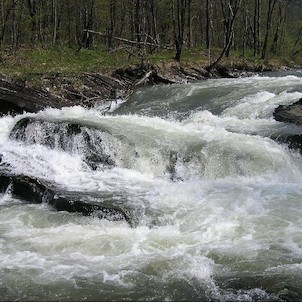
(70,137)
(4,180)
(75,206)
(19,130)
(33,190)
(4,183)
(28,189)
(51,134)
(293,141)
(171,168)
(289,113)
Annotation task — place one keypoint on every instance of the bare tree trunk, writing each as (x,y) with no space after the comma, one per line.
(154,31)
(271,7)
(5,16)
(88,23)
(228,8)
(55,21)
(245,29)
(189,19)
(112,13)
(14,35)
(208,24)
(299,36)
(256,33)
(137,20)
(32,13)
(179,11)
(234,8)
(70,38)
(274,47)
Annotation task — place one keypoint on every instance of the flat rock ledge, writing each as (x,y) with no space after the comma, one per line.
(89,90)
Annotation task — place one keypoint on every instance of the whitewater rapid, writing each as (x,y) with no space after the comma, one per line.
(216,200)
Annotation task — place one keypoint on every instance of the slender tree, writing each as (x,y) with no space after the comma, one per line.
(88,19)
(179,13)
(270,11)
(233,6)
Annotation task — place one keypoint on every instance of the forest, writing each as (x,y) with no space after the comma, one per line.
(250,28)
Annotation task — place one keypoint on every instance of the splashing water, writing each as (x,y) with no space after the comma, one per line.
(217,201)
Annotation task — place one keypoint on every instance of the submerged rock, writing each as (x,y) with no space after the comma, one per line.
(66,136)
(35,191)
(294,141)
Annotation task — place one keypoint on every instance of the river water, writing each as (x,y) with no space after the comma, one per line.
(216,202)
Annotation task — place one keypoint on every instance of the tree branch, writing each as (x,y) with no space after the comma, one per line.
(131,42)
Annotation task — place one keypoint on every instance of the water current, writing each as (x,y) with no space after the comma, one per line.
(217,202)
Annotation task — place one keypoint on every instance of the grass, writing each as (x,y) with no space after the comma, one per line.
(58,60)
(30,64)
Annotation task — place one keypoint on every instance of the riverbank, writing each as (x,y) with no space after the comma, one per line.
(21,92)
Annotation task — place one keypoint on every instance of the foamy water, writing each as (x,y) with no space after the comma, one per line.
(221,222)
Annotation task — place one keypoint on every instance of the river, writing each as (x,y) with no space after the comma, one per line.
(216,202)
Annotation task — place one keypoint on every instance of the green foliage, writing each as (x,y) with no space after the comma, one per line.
(53,38)
(31,64)
(62,60)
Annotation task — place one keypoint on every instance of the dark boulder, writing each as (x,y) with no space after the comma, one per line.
(28,189)
(4,183)
(33,190)
(289,113)
(76,206)
(4,180)
(294,141)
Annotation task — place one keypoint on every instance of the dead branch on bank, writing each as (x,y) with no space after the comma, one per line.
(126,41)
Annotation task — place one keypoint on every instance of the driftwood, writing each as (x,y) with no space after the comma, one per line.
(145,79)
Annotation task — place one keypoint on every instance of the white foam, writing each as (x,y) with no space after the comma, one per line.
(6,124)
(261,104)
(233,205)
